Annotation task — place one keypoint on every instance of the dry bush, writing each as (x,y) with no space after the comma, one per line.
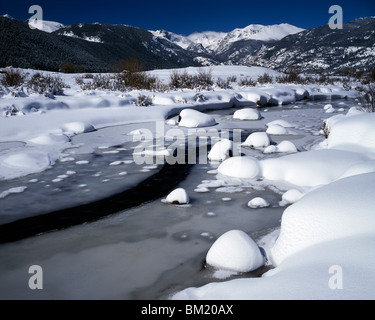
(45,84)
(183,80)
(12,77)
(224,84)
(265,78)
(247,82)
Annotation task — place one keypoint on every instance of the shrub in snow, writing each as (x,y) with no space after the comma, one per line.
(240,167)
(265,78)
(202,80)
(12,111)
(221,150)
(258,202)
(247,114)
(12,77)
(178,196)
(235,251)
(247,82)
(224,84)
(257,140)
(46,84)
(143,100)
(193,119)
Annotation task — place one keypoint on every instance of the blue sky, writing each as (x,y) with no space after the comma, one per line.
(185,17)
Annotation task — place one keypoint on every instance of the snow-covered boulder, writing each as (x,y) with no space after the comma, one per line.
(50,139)
(257,140)
(72,128)
(221,150)
(258,202)
(340,210)
(178,196)
(18,164)
(286,147)
(328,108)
(276,129)
(280,122)
(310,168)
(247,114)
(235,251)
(290,196)
(192,119)
(240,167)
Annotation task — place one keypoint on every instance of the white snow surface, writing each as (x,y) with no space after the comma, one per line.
(178,196)
(257,140)
(235,251)
(193,119)
(324,246)
(221,150)
(48,26)
(247,114)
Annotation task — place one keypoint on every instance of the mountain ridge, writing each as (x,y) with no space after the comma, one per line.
(97,46)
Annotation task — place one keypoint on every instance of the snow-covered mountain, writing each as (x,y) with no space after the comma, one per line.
(96,46)
(231,46)
(214,41)
(48,26)
(321,49)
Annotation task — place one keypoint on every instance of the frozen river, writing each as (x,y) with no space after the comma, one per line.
(106,234)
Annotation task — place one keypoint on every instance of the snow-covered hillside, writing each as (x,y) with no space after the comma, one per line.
(48,26)
(217,42)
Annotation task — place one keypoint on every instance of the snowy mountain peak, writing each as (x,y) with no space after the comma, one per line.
(263,33)
(49,26)
(213,41)
(7,16)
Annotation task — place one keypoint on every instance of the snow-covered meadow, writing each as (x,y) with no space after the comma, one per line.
(284,166)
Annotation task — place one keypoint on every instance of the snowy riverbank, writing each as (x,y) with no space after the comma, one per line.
(323,249)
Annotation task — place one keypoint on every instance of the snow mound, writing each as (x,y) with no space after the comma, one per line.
(192,119)
(221,150)
(73,128)
(50,139)
(286,147)
(310,168)
(178,196)
(258,202)
(335,211)
(277,129)
(23,163)
(280,122)
(240,167)
(290,196)
(257,140)
(247,114)
(353,133)
(235,251)
(364,167)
